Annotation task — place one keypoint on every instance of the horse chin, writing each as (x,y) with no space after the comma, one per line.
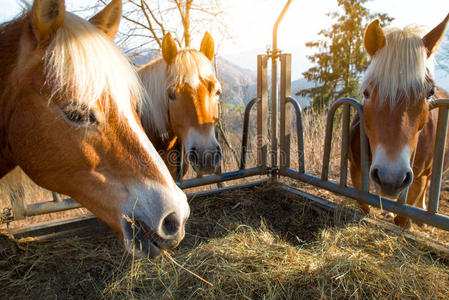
(202,171)
(388,192)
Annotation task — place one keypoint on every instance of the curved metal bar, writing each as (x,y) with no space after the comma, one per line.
(276,25)
(299,132)
(344,145)
(438,103)
(248,108)
(438,160)
(363,141)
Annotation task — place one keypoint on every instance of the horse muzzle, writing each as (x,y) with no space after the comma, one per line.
(205,161)
(391,183)
(154,220)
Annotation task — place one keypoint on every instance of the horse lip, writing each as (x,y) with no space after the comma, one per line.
(155,238)
(203,171)
(143,244)
(388,191)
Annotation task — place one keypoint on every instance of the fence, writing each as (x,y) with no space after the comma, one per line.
(279,153)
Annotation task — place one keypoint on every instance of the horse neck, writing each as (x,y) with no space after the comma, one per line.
(158,129)
(10,36)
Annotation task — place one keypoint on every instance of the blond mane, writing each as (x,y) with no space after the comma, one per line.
(400,70)
(188,67)
(83,64)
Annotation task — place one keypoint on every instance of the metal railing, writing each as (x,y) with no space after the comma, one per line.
(429,216)
(273,158)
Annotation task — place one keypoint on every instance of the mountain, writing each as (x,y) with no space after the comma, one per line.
(239,84)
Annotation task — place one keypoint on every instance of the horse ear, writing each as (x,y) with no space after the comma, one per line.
(169,48)
(207,46)
(374,38)
(434,37)
(46,18)
(108,19)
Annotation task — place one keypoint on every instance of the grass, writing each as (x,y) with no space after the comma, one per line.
(258,249)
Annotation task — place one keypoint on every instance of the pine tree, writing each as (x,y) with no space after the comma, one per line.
(340,59)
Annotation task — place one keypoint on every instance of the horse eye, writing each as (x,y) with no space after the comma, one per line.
(366,94)
(79,114)
(171,93)
(431,92)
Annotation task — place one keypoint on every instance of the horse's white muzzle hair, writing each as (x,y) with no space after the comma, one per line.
(203,151)
(391,176)
(154,218)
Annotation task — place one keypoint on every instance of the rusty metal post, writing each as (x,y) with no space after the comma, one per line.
(299,132)
(274,88)
(18,205)
(285,114)
(245,130)
(344,145)
(437,167)
(262,111)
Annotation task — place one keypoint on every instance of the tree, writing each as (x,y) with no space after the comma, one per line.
(340,58)
(146,22)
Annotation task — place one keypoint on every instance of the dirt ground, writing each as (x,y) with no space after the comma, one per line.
(84,266)
(252,243)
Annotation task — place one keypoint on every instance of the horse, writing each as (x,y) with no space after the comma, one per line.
(182,106)
(68,107)
(397,87)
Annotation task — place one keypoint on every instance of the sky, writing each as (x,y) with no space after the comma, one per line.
(251,24)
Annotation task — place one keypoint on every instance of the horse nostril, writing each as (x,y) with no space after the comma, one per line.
(407,179)
(193,155)
(375,176)
(171,224)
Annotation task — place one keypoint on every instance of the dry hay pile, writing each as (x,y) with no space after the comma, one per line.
(246,244)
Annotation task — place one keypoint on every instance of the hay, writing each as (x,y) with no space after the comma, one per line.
(249,244)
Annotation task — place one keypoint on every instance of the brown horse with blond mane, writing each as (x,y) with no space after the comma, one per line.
(182,106)
(68,100)
(397,87)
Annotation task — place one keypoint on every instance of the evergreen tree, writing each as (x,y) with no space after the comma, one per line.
(340,58)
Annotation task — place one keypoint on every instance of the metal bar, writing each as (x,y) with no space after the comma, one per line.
(299,132)
(285,114)
(344,145)
(437,220)
(211,179)
(262,111)
(328,141)
(329,131)
(227,189)
(246,115)
(50,207)
(56,197)
(274,139)
(18,205)
(364,157)
(274,102)
(437,167)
